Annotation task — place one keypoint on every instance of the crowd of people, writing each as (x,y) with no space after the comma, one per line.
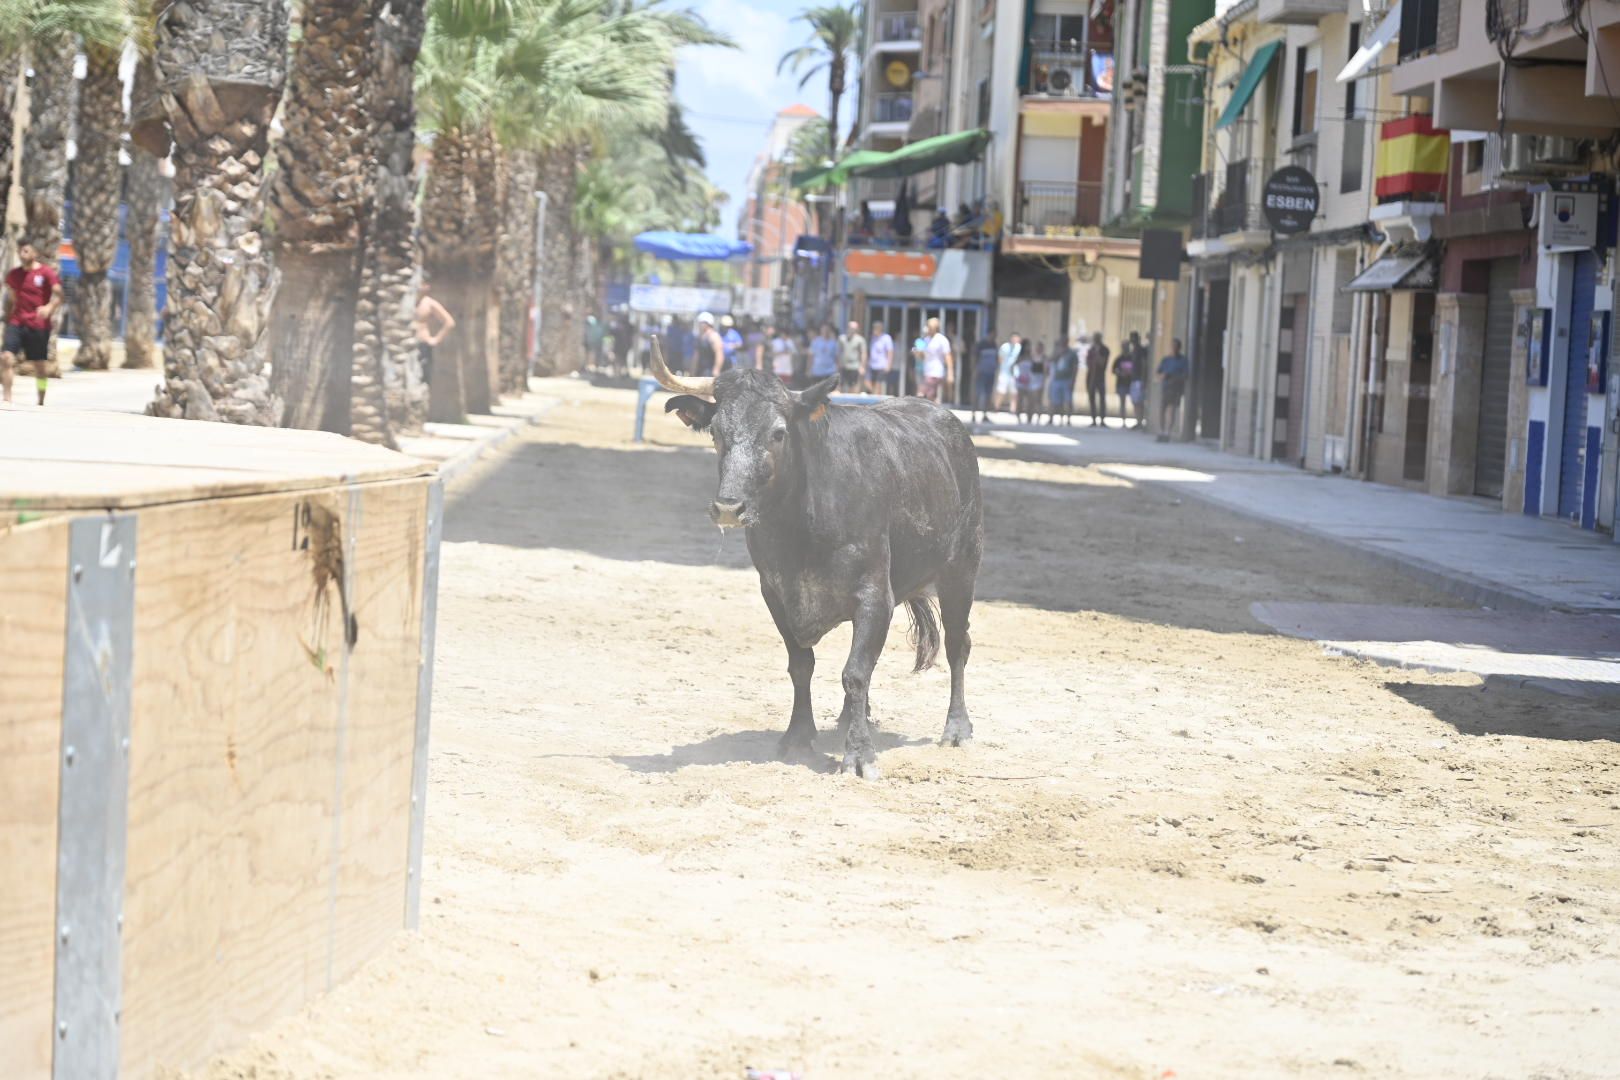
(1018,376)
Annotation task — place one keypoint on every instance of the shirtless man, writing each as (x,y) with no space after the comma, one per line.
(433,324)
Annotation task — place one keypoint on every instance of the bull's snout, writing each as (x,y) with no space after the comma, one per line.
(727,512)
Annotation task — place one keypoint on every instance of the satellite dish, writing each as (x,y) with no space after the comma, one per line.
(1062,79)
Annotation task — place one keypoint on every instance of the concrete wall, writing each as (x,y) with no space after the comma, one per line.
(1389,442)
(1524,301)
(1454,399)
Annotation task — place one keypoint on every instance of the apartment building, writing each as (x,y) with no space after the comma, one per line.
(773,218)
(1524,399)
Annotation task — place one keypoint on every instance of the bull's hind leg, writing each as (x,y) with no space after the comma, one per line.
(799,741)
(874,609)
(955,602)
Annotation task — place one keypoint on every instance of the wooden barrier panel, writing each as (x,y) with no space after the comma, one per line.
(278,613)
(33,610)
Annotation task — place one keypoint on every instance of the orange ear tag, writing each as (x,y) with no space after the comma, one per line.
(820,412)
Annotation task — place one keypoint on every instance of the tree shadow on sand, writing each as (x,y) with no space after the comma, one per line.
(757,748)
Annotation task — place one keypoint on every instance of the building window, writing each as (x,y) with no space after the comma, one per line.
(1474,156)
(1420,23)
(1304,92)
(1057,31)
(1355,127)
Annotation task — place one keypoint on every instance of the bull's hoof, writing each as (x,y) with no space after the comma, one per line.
(958,730)
(866,770)
(799,750)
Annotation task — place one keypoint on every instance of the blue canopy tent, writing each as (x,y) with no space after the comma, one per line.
(692,247)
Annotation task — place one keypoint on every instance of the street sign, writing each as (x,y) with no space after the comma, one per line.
(1290,200)
(1569,220)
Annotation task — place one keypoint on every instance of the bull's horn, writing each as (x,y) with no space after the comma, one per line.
(673,382)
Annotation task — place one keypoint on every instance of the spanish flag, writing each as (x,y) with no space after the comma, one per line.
(1413,156)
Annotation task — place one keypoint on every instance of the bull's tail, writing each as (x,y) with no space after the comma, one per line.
(925,633)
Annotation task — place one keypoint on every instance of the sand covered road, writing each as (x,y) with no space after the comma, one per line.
(1180,844)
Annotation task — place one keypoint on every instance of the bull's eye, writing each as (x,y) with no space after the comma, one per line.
(778,434)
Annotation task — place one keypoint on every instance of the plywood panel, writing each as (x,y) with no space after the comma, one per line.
(381,722)
(232,777)
(33,599)
(54,461)
(270,765)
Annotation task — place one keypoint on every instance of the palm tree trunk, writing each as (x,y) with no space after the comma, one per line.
(143,210)
(560,346)
(448,270)
(481,371)
(318,202)
(44,155)
(515,260)
(220,66)
(10,73)
(97,179)
(386,380)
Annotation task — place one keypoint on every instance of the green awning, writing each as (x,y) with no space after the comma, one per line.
(957,148)
(1263,56)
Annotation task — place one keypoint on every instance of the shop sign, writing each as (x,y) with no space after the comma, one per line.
(678,299)
(1290,200)
(890,265)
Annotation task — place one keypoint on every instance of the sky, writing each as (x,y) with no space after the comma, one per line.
(730,95)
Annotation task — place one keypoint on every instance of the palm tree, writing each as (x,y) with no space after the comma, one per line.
(97,184)
(388,395)
(318,199)
(515,263)
(144,209)
(220,67)
(835,35)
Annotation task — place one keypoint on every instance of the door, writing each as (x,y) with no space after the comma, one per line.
(1208,373)
(1490,451)
(1572,449)
(1419,377)
(1285,431)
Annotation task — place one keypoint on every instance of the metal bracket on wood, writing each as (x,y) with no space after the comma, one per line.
(93,806)
(424,704)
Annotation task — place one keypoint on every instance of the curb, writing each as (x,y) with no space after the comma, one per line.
(1466,587)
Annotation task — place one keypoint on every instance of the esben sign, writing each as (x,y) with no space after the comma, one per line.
(1290,200)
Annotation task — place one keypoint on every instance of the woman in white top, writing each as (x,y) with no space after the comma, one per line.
(1009,353)
(781,356)
(881,376)
(936,367)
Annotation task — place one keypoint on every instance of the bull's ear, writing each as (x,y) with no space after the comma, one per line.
(694,411)
(813,399)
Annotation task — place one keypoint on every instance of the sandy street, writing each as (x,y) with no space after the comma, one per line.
(1181,845)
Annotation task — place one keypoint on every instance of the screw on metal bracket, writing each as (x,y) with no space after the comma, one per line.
(61,1029)
(68,755)
(78,572)
(65,934)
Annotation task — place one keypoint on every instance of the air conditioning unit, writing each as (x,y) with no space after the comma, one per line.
(1065,78)
(1525,157)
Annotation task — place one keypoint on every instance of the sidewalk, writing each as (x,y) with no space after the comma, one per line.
(452,447)
(1467,547)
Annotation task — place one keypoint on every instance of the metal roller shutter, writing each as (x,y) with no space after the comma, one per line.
(1490,459)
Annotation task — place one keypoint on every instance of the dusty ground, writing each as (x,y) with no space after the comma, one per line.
(1181,845)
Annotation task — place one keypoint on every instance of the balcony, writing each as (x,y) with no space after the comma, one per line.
(1237,206)
(898,31)
(1070,69)
(1296,12)
(892,108)
(1058,208)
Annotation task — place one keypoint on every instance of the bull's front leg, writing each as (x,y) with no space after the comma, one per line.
(874,608)
(799,741)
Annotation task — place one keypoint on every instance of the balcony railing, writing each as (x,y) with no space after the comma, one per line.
(1237,207)
(1198,206)
(1070,69)
(898,26)
(1058,208)
(892,109)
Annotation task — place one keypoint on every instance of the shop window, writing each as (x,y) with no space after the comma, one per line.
(1355,127)
(1305,67)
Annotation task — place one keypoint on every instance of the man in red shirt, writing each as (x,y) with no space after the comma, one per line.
(33,297)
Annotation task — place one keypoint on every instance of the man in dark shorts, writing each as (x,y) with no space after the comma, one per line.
(433,324)
(1173,376)
(1097,380)
(33,297)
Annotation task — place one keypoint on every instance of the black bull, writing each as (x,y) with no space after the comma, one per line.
(850,511)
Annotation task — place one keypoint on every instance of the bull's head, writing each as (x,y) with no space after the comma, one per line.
(756,423)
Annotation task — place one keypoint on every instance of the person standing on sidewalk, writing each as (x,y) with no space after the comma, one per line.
(823,354)
(433,324)
(1173,377)
(711,351)
(882,378)
(33,297)
(851,358)
(987,368)
(1097,380)
(781,347)
(1006,385)
(1065,368)
(732,343)
(1125,374)
(938,363)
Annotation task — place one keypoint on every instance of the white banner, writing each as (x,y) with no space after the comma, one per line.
(679,299)
(758,303)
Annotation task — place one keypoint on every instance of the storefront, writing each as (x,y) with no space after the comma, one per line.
(906,288)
